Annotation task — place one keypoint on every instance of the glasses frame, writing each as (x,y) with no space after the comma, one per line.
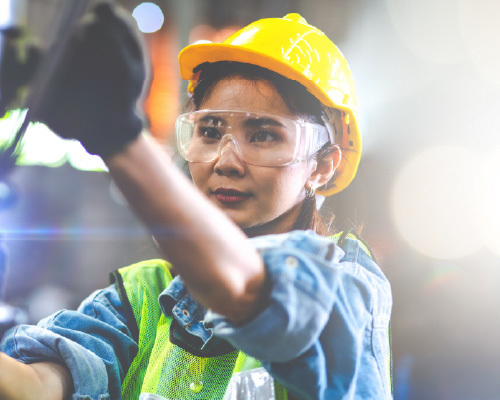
(310,130)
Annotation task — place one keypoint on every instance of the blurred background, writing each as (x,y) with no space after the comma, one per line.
(426,198)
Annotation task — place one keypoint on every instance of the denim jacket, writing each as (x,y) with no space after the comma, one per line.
(322,335)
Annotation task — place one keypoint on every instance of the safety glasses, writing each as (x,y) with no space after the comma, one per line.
(259,139)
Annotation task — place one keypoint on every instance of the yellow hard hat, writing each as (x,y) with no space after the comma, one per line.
(291,47)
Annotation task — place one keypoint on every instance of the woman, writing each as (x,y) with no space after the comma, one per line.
(242,299)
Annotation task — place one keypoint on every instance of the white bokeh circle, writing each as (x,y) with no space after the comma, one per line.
(487,192)
(433,203)
(480,33)
(149,17)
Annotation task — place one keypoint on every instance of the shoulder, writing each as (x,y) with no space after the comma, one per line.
(299,240)
(341,247)
(356,250)
(341,257)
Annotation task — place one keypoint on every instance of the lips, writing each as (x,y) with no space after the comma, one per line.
(230,195)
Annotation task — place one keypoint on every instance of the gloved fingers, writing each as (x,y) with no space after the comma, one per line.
(104,52)
(111,43)
(112,33)
(94,91)
(123,26)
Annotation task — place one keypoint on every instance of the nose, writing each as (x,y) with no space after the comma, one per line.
(229,161)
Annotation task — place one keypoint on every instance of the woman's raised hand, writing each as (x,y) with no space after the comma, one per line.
(93,93)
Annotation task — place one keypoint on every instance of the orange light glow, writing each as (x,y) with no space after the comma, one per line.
(162,104)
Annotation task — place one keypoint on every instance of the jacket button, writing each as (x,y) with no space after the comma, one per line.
(196,386)
(292,262)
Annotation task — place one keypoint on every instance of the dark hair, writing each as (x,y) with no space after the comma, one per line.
(296,97)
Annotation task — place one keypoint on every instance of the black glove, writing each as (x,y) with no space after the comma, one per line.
(15,73)
(93,93)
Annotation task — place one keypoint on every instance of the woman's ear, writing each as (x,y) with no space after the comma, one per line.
(325,168)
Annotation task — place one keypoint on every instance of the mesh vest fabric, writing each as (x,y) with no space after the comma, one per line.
(339,237)
(160,366)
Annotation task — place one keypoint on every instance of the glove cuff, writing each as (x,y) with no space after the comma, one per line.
(115,138)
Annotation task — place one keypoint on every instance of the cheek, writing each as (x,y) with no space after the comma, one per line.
(199,174)
(288,183)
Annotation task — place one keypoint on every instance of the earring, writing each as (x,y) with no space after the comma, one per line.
(310,193)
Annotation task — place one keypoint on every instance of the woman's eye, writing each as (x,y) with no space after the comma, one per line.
(208,132)
(263,136)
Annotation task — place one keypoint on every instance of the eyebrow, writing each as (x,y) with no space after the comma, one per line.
(249,122)
(209,118)
(262,121)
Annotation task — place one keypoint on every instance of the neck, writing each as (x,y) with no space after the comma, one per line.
(284,223)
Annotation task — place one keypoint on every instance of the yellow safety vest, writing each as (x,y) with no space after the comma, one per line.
(163,368)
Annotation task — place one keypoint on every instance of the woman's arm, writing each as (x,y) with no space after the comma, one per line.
(216,261)
(98,85)
(33,381)
(324,332)
(95,345)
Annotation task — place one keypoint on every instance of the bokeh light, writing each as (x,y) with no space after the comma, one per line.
(480,32)
(149,17)
(434,205)
(40,146)
(12,13)
(79,159)
(427,29)
(488,196)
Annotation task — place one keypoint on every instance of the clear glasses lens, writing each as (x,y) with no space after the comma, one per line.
(259,139)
